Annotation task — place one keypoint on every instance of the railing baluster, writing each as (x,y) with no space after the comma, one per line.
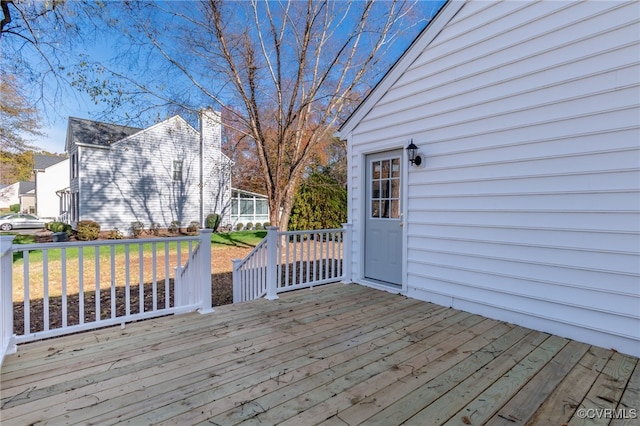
(97,293)
(285,238)
(167,290)
(127,281)
(141,278)
(301,243)
(45,289)
(308,256)
(80,285)
(332,262)
(315,257)
(113,281)
(279,280)
(155,277)
(27,298)
(63,261)
(252,274)
(294,272)
(324,255)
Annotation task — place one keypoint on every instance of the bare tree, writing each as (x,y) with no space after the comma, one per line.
(287,71)
(18,119)
(36,41)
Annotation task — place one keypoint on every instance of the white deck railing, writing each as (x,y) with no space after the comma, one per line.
(291,260)
(250,274)
(76,286)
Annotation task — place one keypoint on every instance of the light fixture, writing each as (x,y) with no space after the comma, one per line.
(414,158)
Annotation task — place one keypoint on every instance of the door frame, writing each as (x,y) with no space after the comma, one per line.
(362,207)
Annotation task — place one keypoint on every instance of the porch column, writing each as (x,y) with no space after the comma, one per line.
(6,297)
(346,253)
(205,272)
(272,262)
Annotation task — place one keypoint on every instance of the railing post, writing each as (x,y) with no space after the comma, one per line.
(346,253)
(237,296)
(205,273)
(6,297)
(272,262)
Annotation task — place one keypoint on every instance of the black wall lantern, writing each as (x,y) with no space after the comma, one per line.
(414,158)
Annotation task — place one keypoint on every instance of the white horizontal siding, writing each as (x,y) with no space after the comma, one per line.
(527,204)
(133,180)
(54,178)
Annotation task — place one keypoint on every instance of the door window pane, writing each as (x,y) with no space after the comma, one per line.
(385,188)
(395,188)
(376,170)
(395,208)
(375,192)
(375,208)
(395,168)
(386,166)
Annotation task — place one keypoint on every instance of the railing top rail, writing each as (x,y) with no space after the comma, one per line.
(263,242)
(69,244)
(310,231)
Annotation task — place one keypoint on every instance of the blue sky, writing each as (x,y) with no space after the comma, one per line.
(101,48)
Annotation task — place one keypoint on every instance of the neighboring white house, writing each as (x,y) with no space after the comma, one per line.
(525,207)
(51,175)
(22,193)
(167,172)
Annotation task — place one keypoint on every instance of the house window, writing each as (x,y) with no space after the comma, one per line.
(177,170)
(74,165)
(75,207)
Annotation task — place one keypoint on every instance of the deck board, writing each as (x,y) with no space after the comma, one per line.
(337,354)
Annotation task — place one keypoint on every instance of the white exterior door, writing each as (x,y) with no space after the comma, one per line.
(383,218)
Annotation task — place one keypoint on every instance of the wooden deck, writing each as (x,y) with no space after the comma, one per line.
(335,355)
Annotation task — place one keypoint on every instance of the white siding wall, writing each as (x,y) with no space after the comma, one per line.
(53,179)
(133,180)
(527,206)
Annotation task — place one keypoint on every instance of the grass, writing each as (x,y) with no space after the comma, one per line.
(237,239)
(240,239)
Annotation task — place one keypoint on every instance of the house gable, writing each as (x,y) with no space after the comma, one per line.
(430,32)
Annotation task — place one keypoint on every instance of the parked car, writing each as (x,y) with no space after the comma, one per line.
(19,221)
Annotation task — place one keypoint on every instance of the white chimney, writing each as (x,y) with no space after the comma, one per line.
(210,160)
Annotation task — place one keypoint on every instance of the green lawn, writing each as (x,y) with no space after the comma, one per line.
(237,239)
(218,241)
